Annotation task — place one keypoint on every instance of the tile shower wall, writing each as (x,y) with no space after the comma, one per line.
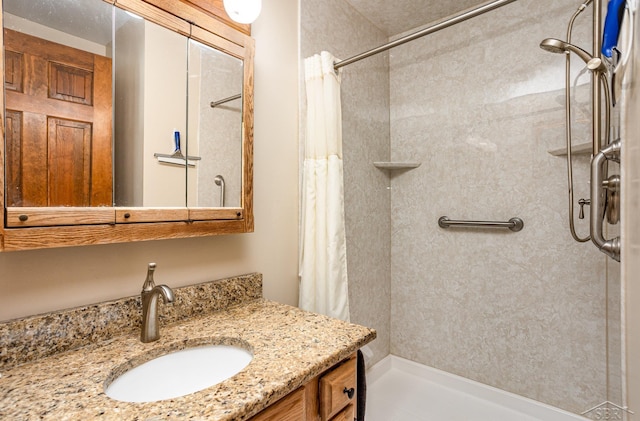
(334,26)
(479,104)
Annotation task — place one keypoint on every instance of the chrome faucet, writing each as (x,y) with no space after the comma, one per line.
(150,329)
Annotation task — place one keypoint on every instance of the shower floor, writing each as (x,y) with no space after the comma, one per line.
(402,390)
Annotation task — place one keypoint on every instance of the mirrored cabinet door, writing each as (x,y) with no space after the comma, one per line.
(215,127)
(58,73)
(150,113)
(164,130)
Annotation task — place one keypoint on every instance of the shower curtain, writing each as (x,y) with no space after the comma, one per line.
(323,256)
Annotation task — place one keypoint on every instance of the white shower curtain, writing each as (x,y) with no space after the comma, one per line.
(323,255)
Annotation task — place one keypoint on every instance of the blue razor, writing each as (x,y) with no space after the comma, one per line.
(615,11)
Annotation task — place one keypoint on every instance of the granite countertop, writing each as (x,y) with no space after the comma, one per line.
(290,347)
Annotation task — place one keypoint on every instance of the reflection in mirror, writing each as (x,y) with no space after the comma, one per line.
(58,102)
(150,112)
(215,127)
(76,136)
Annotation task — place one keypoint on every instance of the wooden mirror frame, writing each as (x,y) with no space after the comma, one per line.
(26,228)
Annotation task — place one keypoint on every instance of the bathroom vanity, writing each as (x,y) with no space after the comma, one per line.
(56,366)
(132,120)
(330,396)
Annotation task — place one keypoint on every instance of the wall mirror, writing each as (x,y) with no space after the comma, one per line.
(215,123)
(120,114)
(58,93)
(150,106)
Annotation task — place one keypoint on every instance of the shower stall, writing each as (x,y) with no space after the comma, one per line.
(469,122)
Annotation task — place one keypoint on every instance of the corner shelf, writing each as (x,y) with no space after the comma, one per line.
(396,165)
(579,149)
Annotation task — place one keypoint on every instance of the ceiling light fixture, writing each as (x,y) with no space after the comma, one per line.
(243,11)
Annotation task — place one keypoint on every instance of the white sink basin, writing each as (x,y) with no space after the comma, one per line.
(179,373)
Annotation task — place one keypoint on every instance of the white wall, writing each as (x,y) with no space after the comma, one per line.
(165,111)
(37,30)
(39,281)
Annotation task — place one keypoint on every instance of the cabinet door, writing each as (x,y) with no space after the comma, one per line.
(337,389)
(347,414)
(289,408)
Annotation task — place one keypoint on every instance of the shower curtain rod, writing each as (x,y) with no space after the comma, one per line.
(426,31)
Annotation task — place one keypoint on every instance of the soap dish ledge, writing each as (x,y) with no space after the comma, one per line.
(396,165)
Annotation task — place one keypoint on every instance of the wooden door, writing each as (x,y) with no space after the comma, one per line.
(58,124)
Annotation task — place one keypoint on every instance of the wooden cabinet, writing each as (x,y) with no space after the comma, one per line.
(59,185)
(289,408)
(329,397)
(216,9)
(347,414)
(337,389)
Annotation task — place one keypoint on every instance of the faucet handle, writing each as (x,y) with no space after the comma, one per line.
(583,202)
(149,283)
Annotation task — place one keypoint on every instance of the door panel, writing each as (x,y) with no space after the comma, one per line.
(71,84)
(69,149)
(13,169)
(13,71)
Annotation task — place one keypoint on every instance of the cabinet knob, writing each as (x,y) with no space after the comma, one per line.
(349,392)
(23,218)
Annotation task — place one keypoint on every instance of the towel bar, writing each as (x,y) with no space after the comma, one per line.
(214,104)
(514,224)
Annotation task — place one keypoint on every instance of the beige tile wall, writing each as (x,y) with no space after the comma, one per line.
(480,105)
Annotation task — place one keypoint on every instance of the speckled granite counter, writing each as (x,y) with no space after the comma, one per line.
(290,348)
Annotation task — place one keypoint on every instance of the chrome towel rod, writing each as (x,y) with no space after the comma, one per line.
(514,224)
(223,101)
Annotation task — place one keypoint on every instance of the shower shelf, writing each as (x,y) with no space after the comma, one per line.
(396,165)
(579,149)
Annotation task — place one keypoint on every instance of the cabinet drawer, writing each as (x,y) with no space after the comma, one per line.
(347,414)
(337,389)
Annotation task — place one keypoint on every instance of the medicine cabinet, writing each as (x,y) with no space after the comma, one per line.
(124,121)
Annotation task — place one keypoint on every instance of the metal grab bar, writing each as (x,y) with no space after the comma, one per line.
(599,187)
(514,224)
(219,180)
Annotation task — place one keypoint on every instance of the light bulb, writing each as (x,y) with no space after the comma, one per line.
(243,11)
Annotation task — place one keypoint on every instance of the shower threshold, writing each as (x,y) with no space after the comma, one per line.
(402,390)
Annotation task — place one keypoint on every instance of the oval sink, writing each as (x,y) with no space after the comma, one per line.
(179,373)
